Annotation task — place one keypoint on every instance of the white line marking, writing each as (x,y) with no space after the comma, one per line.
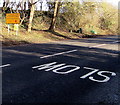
(98,45)
(90,68)
(4,65)
(45,65)
(102,44)
(115,41)
(90,73)
(58,54)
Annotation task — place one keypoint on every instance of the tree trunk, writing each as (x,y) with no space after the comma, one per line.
(32,10)
(41,6)
(52,26)
(25,6)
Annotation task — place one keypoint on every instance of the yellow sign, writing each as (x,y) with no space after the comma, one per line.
(12,18)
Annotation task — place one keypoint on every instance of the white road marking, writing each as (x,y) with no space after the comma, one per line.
(90,73)
(69,71)
(90,68)
(98,45)
(58,68)
(4,65)
(102,44)
(44,66)
(102,75)
(115,41)
(58,54)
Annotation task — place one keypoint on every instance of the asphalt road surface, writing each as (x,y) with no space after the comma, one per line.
(73,72)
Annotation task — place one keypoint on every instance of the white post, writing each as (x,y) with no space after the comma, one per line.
(16,32)
(16,26)
(8,28)
(17,29)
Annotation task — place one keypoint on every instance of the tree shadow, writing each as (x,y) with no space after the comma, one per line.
(100,39)
(57,34)
(46,87)
(54,35)
(9,42)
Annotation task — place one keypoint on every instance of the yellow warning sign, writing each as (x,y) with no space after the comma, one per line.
(12,18)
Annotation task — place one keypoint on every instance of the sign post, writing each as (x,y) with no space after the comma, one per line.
(8,28)
(13,18)
(16,27)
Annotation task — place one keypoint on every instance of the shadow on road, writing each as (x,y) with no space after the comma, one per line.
(101,40)
(42,87)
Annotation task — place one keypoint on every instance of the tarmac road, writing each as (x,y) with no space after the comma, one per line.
(83,72)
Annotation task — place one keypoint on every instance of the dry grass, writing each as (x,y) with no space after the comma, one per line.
(36,36)
(39,34)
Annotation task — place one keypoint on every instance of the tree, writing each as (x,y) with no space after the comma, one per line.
(32,10)
(72,14)
(56,9)
(109,18)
